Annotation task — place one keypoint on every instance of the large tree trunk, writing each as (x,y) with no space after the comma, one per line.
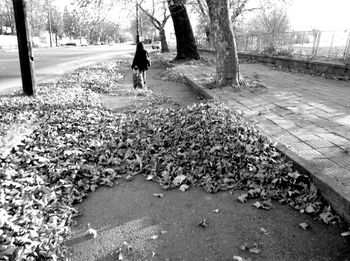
(185,43)
(227,66)
(164,48)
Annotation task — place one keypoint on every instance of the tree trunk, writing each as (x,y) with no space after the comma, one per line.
(209,35)
(185,43)
(164,47)
(227,66)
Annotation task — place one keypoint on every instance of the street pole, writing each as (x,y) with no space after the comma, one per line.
(137,23)
(26,58)
(49,18)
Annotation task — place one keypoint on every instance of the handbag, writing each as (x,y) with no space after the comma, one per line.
(137,79)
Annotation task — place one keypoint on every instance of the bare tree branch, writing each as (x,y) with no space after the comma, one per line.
(157,24)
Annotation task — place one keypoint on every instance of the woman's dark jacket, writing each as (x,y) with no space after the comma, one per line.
(141,60)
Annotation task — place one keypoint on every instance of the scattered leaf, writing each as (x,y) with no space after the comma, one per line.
(203,223)
(295,175)
(4,217)
(345,234)
(150,177)
(263,205)
(255,250)
(239,258)
(130,177)
(244,247)
(158,195)
(178,180)
(304,226)
(242,198)
(328,217)
(184,187)
(310,209)
(264,231)
(91,232)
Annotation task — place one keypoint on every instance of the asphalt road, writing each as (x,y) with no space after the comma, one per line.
(53,62)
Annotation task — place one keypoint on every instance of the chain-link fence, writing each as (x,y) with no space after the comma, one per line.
(315,44)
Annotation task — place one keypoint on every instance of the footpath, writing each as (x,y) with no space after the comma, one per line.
(308,117)
(134,224)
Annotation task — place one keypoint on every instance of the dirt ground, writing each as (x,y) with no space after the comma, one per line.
(133,224)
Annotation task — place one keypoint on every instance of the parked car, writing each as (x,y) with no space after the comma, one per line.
(156,45)
(71,44)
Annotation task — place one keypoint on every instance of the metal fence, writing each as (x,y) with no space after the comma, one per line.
(321,45)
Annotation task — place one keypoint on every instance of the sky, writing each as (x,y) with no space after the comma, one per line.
(319,14)
(306,14)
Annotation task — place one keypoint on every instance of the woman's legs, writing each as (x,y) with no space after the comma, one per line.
(144,76)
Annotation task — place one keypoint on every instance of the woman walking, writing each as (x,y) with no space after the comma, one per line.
(141,60)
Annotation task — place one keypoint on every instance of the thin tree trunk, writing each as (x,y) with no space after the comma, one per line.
(160,26)
(227,66)
(185,42)
(164,48)
(209,35)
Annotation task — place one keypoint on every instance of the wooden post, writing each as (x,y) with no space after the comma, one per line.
(24,48)
(49,21)
(137,23)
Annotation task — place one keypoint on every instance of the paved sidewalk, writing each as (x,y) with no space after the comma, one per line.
(308,116)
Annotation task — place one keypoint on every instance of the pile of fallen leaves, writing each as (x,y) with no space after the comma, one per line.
(34,218)
(19,111)
(172,75)
(82,146)
(102,77)
(300,70)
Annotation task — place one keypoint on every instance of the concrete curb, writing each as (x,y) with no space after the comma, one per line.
(331,192)
(199,89)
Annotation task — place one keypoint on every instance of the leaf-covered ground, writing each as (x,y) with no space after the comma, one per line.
(210,59)
(81,146)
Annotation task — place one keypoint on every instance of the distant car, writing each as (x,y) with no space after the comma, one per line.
(156,45)
(71,44)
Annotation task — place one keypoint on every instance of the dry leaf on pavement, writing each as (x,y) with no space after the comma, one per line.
(242,198)
(304,226)
(91,232)
(345,234)
(239,258)
(158,195)
(203,223)
(184,187)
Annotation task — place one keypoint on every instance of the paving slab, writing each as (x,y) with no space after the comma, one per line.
(308,116)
